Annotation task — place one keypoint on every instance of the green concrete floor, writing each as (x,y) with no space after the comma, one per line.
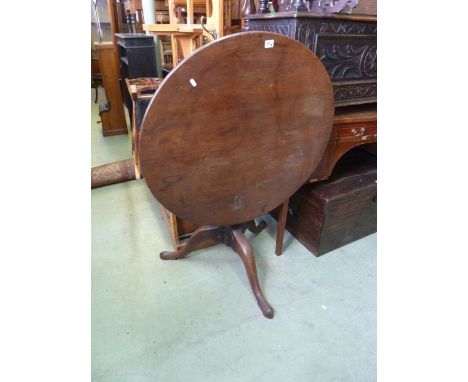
(196,319)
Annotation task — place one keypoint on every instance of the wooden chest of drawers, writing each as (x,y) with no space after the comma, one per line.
(353,126)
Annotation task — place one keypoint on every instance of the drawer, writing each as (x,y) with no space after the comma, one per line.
(357,131)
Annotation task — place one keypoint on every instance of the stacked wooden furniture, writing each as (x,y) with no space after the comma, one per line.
(141,91)
(129,15)
(188,36)
(185,37)
(353,126)
(347,46)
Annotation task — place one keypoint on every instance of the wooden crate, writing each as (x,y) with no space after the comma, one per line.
(326,215)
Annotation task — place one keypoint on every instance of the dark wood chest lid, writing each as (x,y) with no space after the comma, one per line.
(355,171)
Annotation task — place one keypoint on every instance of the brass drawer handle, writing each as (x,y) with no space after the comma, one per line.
(359,133)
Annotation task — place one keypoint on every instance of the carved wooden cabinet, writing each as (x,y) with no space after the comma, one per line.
(346,45)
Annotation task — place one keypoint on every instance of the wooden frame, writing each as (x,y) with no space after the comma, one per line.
(139,89)
(113,120)
(187,37)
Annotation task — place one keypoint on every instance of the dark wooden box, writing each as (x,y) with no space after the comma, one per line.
(137,55)
(137,59)
(346,45)
(326,215)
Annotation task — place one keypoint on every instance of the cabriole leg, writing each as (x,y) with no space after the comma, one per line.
(244,250)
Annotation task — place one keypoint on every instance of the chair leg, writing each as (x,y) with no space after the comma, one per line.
(280,228)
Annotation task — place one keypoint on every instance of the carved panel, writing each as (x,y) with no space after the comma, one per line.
(369,61)
(348,27)
(346,94)
(346,47)
(348,59)
(284,27)
(307,35)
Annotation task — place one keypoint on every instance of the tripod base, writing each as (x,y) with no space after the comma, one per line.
(232,236)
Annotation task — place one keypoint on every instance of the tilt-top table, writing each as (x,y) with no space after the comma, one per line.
(233,131)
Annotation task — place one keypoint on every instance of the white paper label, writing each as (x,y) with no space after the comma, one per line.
(269,43)
(193,82)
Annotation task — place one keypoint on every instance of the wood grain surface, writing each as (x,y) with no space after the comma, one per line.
(113,120)
(236,128)
(327,215)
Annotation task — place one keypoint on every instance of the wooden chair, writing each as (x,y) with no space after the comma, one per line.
(186,35)
(141,91)
(166,53)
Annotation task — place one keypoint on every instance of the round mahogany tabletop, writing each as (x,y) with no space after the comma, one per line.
(236,128)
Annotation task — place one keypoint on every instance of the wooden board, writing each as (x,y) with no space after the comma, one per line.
(236,128)
(164,29)
(113,121)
